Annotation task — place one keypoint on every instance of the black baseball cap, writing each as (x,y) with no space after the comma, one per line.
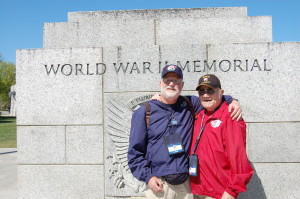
(172,68)
(209,80)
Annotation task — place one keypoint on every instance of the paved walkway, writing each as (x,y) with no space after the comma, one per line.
(8,173)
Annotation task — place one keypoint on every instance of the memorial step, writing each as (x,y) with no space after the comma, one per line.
(158,32)
(99,16)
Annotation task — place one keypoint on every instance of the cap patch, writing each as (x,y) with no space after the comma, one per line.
(171,68)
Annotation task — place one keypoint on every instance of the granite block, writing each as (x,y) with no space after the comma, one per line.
(59,86)
(84,145)
(157,14)
(131,69)
(93,33)
(213,30)
(274,180)
(263,76)
(61,35)
(48,181)
(117,33)
(274,142)
(99,34)
(41,144)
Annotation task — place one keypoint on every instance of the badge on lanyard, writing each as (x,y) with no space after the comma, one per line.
(173,141)
(174,144)
(193,164)
(193,159)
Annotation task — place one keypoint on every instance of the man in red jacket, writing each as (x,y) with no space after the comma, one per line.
(221,168)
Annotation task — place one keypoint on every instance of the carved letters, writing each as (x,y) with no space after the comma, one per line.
(129,68)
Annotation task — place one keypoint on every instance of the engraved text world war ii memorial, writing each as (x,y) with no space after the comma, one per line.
(76,96)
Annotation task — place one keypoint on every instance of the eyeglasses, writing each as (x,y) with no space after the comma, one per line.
(175,81)
(209,91)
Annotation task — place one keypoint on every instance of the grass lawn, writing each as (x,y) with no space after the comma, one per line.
(8,135)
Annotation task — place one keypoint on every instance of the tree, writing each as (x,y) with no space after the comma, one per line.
(7,79)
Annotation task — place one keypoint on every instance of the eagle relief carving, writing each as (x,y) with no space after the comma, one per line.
(118,125)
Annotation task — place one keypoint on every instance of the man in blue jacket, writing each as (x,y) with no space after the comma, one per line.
(158,152)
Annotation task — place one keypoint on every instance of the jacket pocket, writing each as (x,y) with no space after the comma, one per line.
(159,154)
(222,159)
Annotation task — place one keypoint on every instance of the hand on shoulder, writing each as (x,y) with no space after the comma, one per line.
(236,110)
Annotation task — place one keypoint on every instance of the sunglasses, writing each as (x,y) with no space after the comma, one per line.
(209,91)
(175,81)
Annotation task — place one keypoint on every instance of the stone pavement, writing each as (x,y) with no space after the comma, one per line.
(8,173)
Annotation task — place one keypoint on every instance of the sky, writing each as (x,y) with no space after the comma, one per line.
(22,21)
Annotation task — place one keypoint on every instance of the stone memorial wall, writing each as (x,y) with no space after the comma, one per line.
(76,96)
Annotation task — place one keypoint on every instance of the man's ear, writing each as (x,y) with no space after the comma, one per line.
(221,92)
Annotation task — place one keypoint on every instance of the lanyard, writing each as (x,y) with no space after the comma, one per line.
(201,131)
(172,123)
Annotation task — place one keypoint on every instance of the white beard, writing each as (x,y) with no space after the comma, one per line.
(170,94)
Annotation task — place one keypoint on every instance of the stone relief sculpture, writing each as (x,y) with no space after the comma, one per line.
(119,116)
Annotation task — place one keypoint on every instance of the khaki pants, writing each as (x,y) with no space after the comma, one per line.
(181,191)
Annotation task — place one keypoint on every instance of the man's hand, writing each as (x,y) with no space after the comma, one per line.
(156,97)
(237,111)
(155,184)
(227,196)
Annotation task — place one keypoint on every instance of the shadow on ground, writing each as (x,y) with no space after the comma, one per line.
(6,119)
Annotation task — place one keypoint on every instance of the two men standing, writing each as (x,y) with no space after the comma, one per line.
(159,151)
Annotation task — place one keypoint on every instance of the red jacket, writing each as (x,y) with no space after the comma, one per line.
(222,160)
